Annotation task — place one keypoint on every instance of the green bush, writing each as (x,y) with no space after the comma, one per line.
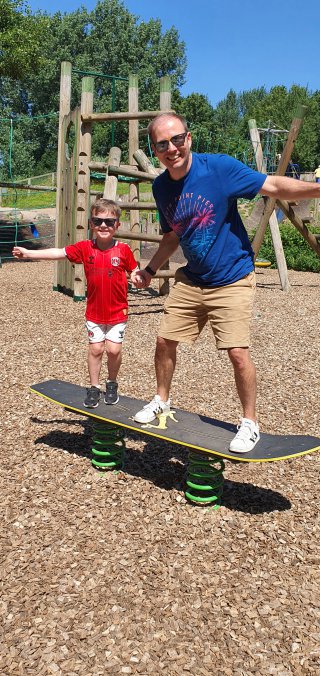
(298,253)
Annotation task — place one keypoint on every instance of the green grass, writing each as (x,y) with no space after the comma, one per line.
(21,200)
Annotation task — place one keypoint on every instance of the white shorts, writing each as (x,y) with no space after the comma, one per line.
(98,333)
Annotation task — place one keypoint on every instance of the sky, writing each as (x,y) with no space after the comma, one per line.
(233,44)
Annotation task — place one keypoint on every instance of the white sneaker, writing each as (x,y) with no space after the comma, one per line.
(246,437)
(150,411)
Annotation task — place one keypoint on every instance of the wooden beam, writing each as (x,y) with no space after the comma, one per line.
(133,145)
(138,236)
(111,182)
(273,221)
(131,115)
(121,171)
(26,186)
(281,170)
(298,223)
(144,163)
(83,187)
(64,109)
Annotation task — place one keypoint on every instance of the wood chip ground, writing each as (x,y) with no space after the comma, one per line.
(117,573)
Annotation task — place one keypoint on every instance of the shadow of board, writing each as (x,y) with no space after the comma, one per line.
(164,465)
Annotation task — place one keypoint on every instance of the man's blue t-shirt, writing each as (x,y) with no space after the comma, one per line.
(201,208)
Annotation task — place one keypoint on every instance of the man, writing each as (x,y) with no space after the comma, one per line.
(197,201)
(317,174)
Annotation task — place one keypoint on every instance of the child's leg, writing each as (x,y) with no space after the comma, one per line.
(114,338)
(114,358)
(95,354)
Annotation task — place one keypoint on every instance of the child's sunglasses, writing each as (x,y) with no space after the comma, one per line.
(97,222)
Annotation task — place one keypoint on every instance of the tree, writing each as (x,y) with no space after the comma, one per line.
(108,40)
(21,34)
(199,114)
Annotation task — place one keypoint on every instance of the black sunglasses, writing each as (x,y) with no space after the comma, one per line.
(178,140)
(109,222)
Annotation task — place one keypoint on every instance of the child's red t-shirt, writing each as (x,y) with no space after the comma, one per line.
(107,285)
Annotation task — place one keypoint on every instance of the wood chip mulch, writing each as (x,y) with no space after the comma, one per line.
(105,573)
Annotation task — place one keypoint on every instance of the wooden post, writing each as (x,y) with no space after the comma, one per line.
(285,157)
(83,200)
(144,163)
(273,222)
(133,99)
(111,182)
(64,109)
(300,225)
(165,104)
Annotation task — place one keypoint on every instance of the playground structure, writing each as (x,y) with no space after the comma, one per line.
(75,167)
(269,214)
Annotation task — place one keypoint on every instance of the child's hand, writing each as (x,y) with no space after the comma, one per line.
(139,280)
(20,252)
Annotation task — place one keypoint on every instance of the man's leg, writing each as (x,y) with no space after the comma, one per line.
(245,379)
(165,363)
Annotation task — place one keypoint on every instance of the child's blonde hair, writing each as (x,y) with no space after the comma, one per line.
(103,204)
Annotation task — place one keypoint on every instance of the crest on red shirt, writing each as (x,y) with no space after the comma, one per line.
(115,261)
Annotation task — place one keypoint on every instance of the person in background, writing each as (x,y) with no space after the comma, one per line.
(317,174)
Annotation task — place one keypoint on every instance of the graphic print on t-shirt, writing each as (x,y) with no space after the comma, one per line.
(192,218)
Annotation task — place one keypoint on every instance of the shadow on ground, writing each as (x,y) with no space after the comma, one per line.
(164,465)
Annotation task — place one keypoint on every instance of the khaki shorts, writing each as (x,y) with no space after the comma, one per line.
(228,309)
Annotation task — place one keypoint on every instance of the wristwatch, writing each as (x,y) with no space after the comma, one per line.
(150,271)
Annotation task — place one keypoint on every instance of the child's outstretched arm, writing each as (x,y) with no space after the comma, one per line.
(38,254)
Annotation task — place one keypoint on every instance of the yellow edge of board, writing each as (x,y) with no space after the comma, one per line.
(175,441)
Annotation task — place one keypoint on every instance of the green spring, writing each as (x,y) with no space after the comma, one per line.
(205,479)
(108,446)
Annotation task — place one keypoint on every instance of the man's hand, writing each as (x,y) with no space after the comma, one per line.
(140,279)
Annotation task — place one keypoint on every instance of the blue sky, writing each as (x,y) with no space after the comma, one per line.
(235,44)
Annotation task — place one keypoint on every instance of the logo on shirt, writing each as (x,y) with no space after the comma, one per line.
(192,218)
(91,259)
(115,261)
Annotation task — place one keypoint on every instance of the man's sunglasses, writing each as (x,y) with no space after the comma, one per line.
(109,222)
(178,140)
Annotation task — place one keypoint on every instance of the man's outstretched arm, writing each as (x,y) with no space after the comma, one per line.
(286,188)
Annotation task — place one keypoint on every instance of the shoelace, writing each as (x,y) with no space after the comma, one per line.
(154,406)
(246,430)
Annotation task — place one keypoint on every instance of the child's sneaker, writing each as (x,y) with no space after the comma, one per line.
(150,411)
(246,437)
(111,395)
(93,397)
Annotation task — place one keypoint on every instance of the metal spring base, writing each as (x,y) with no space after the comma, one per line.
(108,446)
(205,479)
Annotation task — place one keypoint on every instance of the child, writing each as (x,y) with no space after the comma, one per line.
(106,262)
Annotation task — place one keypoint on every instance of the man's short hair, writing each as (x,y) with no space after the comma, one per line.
(161,116)
(103,204)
